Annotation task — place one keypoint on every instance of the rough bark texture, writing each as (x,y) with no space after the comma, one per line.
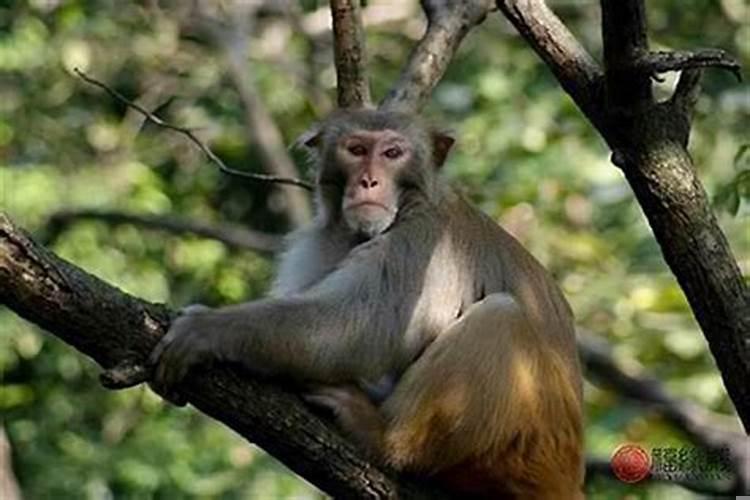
(118,331)
(448,22)
(349,54)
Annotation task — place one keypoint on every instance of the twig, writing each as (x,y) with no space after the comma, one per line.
(662,61)
(448,22)
(229,234)
(350,55)
(193,138)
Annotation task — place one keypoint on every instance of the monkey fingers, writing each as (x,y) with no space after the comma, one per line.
(175,354)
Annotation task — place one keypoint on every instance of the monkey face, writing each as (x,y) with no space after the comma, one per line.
(371,162)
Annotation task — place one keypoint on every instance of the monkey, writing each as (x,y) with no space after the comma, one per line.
(439,344)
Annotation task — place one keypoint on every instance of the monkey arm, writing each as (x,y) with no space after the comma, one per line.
(347,327)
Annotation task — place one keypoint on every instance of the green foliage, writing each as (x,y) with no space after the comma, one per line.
(525,155)
(731,195)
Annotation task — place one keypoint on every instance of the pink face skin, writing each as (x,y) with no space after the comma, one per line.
(371,161)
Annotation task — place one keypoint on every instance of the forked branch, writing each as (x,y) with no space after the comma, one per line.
(648,140)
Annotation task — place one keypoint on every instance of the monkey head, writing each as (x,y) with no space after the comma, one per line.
(371,163)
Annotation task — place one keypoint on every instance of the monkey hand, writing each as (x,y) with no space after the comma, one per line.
(188,343)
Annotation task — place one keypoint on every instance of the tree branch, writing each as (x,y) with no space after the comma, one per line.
(662,61)
(578,73)
(448,22)
(205,149)
(119,330)
(624,38)
(350,55)
(648,141)
(230,234)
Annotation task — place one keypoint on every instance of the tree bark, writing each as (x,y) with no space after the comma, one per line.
(649,142)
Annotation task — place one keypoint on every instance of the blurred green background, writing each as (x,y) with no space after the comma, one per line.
(525,155)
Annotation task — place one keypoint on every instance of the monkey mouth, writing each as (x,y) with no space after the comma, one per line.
(369,209)
(367,204)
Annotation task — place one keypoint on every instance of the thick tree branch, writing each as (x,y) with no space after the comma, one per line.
(230,234)
(117,330)
(648,141)
(350,54)
(448,22)
(578,73)
(205,149)
(625,40)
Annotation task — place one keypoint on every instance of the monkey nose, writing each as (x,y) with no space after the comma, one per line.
(368,183)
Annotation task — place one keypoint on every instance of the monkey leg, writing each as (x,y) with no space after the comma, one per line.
(490,408)
(354,413)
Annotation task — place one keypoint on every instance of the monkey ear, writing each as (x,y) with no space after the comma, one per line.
(309,139)
(442,140)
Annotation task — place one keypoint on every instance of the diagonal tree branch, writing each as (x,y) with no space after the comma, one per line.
(350,54)
(118,331)
(232,235)
(578,73)
(648,141)
(448,22)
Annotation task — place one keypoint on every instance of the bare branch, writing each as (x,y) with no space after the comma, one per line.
(193,138)
(709,430)
(230,234)
(117,330)
(662,61)
(578,73)
(350,54)
(448,22)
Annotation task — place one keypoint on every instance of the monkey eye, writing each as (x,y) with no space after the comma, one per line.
(357,150)
(393,153)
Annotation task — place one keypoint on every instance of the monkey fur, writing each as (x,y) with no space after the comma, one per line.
(438,342)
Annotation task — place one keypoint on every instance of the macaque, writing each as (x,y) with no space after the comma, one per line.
(439,344)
